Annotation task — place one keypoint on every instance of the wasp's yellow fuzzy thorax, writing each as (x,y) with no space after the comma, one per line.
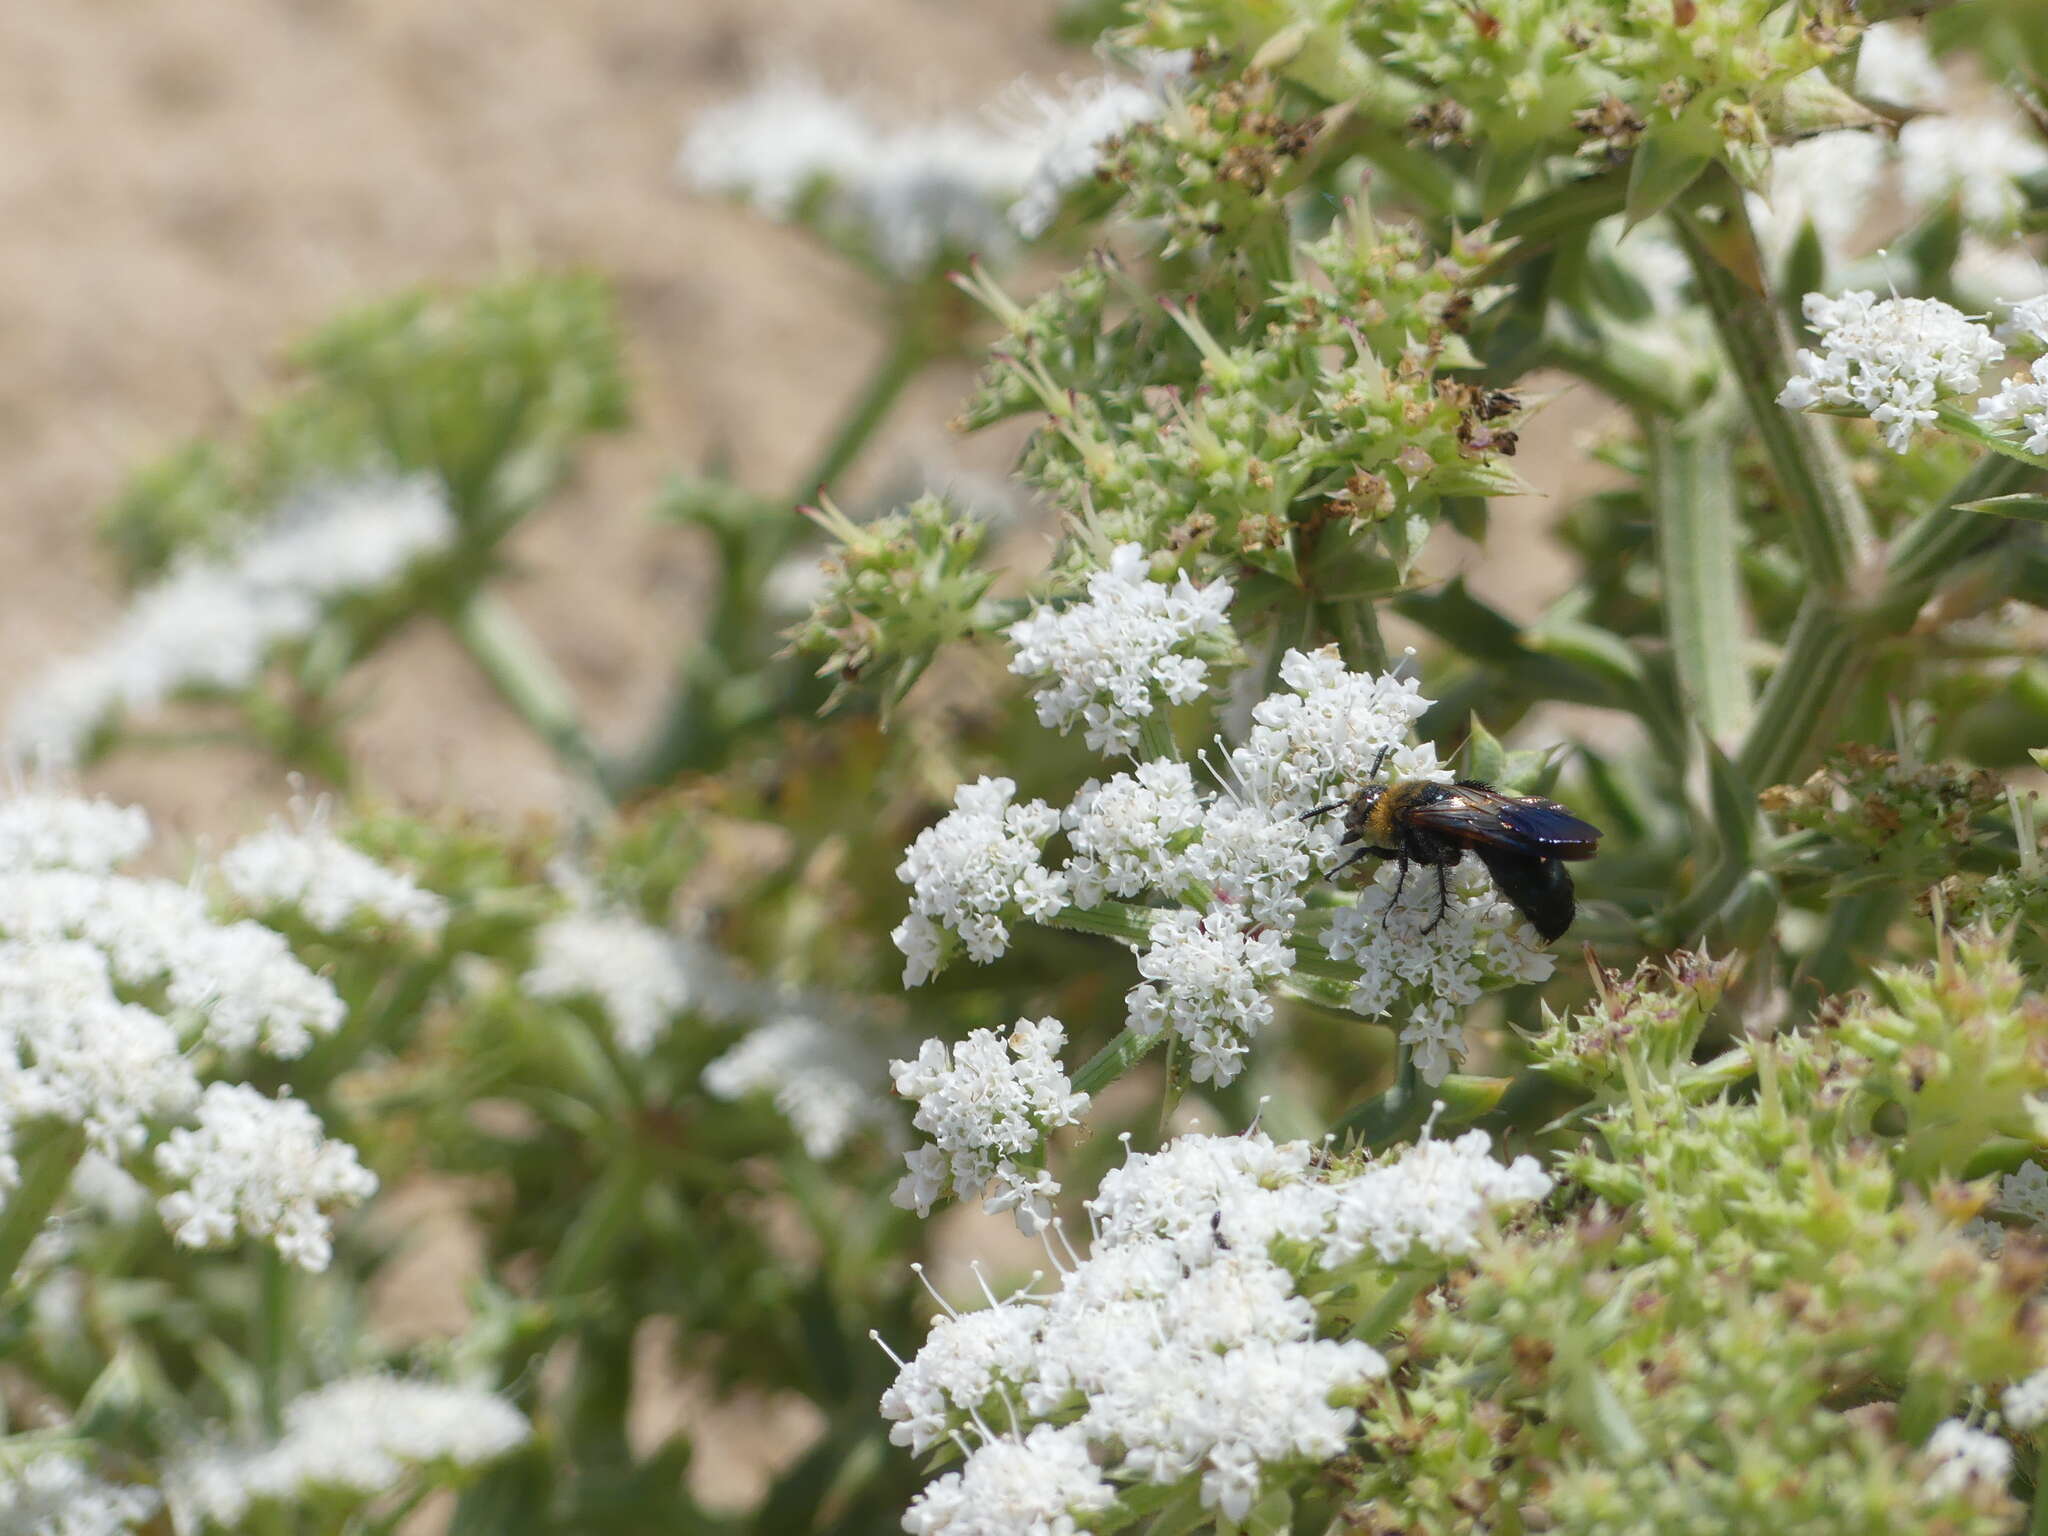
(1383,821)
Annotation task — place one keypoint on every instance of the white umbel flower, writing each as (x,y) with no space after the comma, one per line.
(826,1078)
(264,1166)
(1962,1456)
(358,1435)
(2022,402)
(212,623)
(1106,662)
(1893,360)
(968,872)
(638,974)
(42,830)
(1034,1484)
(906,196)
(1431,963)
(1129,832)
(328,883)
(988,1105)
(52,1494)
(1206,979)
(1182,1353)
(1320,740)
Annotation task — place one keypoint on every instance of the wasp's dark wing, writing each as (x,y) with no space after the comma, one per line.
(1479,815)
(1540,888)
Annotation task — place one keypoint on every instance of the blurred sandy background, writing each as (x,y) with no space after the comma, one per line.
(187,188)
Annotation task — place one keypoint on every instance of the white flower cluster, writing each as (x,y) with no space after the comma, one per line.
(1433,962)
(1180,1350)
(1319,741)
(1129,834)
(2023,400)
(328,883)
(52,1494)
(2026,1402)
(969,870)
(1107,660)
(1962,1455)
(212,623)
(988,1110)
(40,829)
(640,975)
(357,1435)
(1893,360)
(261,1164)
(827,1079)
(1205,979)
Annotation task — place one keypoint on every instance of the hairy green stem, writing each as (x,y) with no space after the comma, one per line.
(526,680)
(273,1336)
(1813,672)
(1829,520)
(1693,502)
(46,1164)
(1115,1059)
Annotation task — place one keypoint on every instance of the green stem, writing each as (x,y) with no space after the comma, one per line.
(526,680)
(274,1331)
(1393,1305)
(46,1165)
(1814,671)
(897,367)
(1155,736)
(1114,1060)
(1828,516)
(1698,534)
(2038,1524)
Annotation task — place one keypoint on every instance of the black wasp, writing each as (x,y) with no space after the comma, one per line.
(1523,840)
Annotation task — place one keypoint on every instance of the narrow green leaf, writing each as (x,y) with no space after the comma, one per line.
(2033,508)
(1663,168)
(1485,758)
(1698,543)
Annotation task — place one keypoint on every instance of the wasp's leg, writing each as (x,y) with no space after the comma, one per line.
(1399,882)
(1363,853)
(1443,894)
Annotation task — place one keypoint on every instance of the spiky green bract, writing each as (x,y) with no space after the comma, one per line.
(1641,1028)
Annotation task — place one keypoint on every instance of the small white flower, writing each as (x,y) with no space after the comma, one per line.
(1962,1456)
(52,1494)
(970,869)
(1892,360)
(1206,977)
(327,882)
(212,623)
(40,830)
(1033,1486)
(1252,862)
(263,1165)
(2026,1402)
(826,1079)
(2021,401)
(1319,741)
(1127,833)
(1433,962)
(1976,159)
(359,1434)
(988,1106)
(639,975)
(1107,661)
(908,196)
(1435,1199)
(1895,66)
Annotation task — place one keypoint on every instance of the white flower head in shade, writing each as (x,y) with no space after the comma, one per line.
(1106,662)
(1069,131)
(52,1494)
(1036,1483)
(2021,402)
(1128,833)
(907,196)
(2024,1193)
(1962,1456)
(976,865)
(1206,979)
(827,1079)
(360,1434)
(262,1165)
(2026,1402)
(638,974)
(1893,360)
(1183,1352)
(1827,180)
(988,1106)
(212,622)
(70,1050)
(1320,741)
(310,871)
(1433,963)
(1976,159)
